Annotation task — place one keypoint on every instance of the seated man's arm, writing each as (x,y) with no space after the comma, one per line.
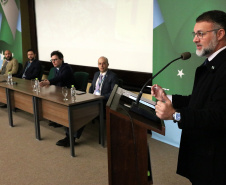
(14,67)
(93,84)
(113,81)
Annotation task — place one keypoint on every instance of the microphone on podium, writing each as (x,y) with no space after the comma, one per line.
(135,105)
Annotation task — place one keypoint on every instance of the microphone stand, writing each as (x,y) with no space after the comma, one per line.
(141,91)
(146,112)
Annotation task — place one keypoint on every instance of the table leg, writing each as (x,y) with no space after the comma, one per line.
(9,107)
(71,134)
(101,130)
(36,117)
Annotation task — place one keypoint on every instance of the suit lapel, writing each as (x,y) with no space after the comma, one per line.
(95,80)
(105,79)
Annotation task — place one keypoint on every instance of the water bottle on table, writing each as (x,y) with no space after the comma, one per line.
(9,79)
(37,86)
(73,92)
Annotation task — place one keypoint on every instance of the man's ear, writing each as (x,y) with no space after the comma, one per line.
(220,34)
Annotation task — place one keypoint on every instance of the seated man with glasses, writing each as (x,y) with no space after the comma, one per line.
(63,75)
(63,72)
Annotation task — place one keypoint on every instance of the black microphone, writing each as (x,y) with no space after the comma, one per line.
(134,107)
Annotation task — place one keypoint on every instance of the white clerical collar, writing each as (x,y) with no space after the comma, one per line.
(211,57)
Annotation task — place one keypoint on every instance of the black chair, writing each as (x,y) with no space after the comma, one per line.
(120,83)
(40,74)
(81,80)
(19,71)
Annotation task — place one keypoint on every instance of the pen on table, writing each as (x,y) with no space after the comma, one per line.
(162,88)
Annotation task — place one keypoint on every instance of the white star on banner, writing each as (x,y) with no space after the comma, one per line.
(180,73)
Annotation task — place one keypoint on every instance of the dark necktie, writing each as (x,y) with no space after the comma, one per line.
(206,62)
(57,72)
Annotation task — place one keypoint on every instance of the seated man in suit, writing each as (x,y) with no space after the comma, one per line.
(32,67)
(103,83)
(9,64)
(63,72)
(104,80)
(63,75)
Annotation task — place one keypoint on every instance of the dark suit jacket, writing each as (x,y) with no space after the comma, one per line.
(108,84)
(202,154)
(64,77)
(33,71)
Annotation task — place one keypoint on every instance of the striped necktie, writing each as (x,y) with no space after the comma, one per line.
(97,89)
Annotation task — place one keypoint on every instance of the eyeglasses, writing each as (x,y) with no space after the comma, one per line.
(53,60)
(201,33)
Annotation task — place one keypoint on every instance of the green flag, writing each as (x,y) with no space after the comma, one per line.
(172,36)
(10,28)
(11,13)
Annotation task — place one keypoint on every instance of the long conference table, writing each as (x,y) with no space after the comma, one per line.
(49,104)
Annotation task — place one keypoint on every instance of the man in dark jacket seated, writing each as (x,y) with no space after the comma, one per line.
(63,72)
(63,75)
(103,83)
(32,67)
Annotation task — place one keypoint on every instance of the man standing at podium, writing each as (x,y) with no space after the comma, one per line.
(202,115)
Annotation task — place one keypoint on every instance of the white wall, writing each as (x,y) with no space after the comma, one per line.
(84,30)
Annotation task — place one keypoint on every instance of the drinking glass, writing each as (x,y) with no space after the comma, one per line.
(33,84)
(65,93)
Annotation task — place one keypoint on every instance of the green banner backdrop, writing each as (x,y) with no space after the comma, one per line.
(172,36)
(174,21)
(10,29)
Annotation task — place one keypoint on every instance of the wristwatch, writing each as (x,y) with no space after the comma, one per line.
(176,116)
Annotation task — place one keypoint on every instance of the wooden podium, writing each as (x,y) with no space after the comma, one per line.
(128,153)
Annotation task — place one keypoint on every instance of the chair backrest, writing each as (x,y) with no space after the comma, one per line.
(40,74)
(120,82)
(51,73)
(81,80)
(19,71)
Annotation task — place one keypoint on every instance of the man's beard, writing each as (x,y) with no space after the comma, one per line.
(208,50)
(9,58)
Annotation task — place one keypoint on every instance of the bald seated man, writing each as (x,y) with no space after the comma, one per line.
(9,64)
(103,83)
